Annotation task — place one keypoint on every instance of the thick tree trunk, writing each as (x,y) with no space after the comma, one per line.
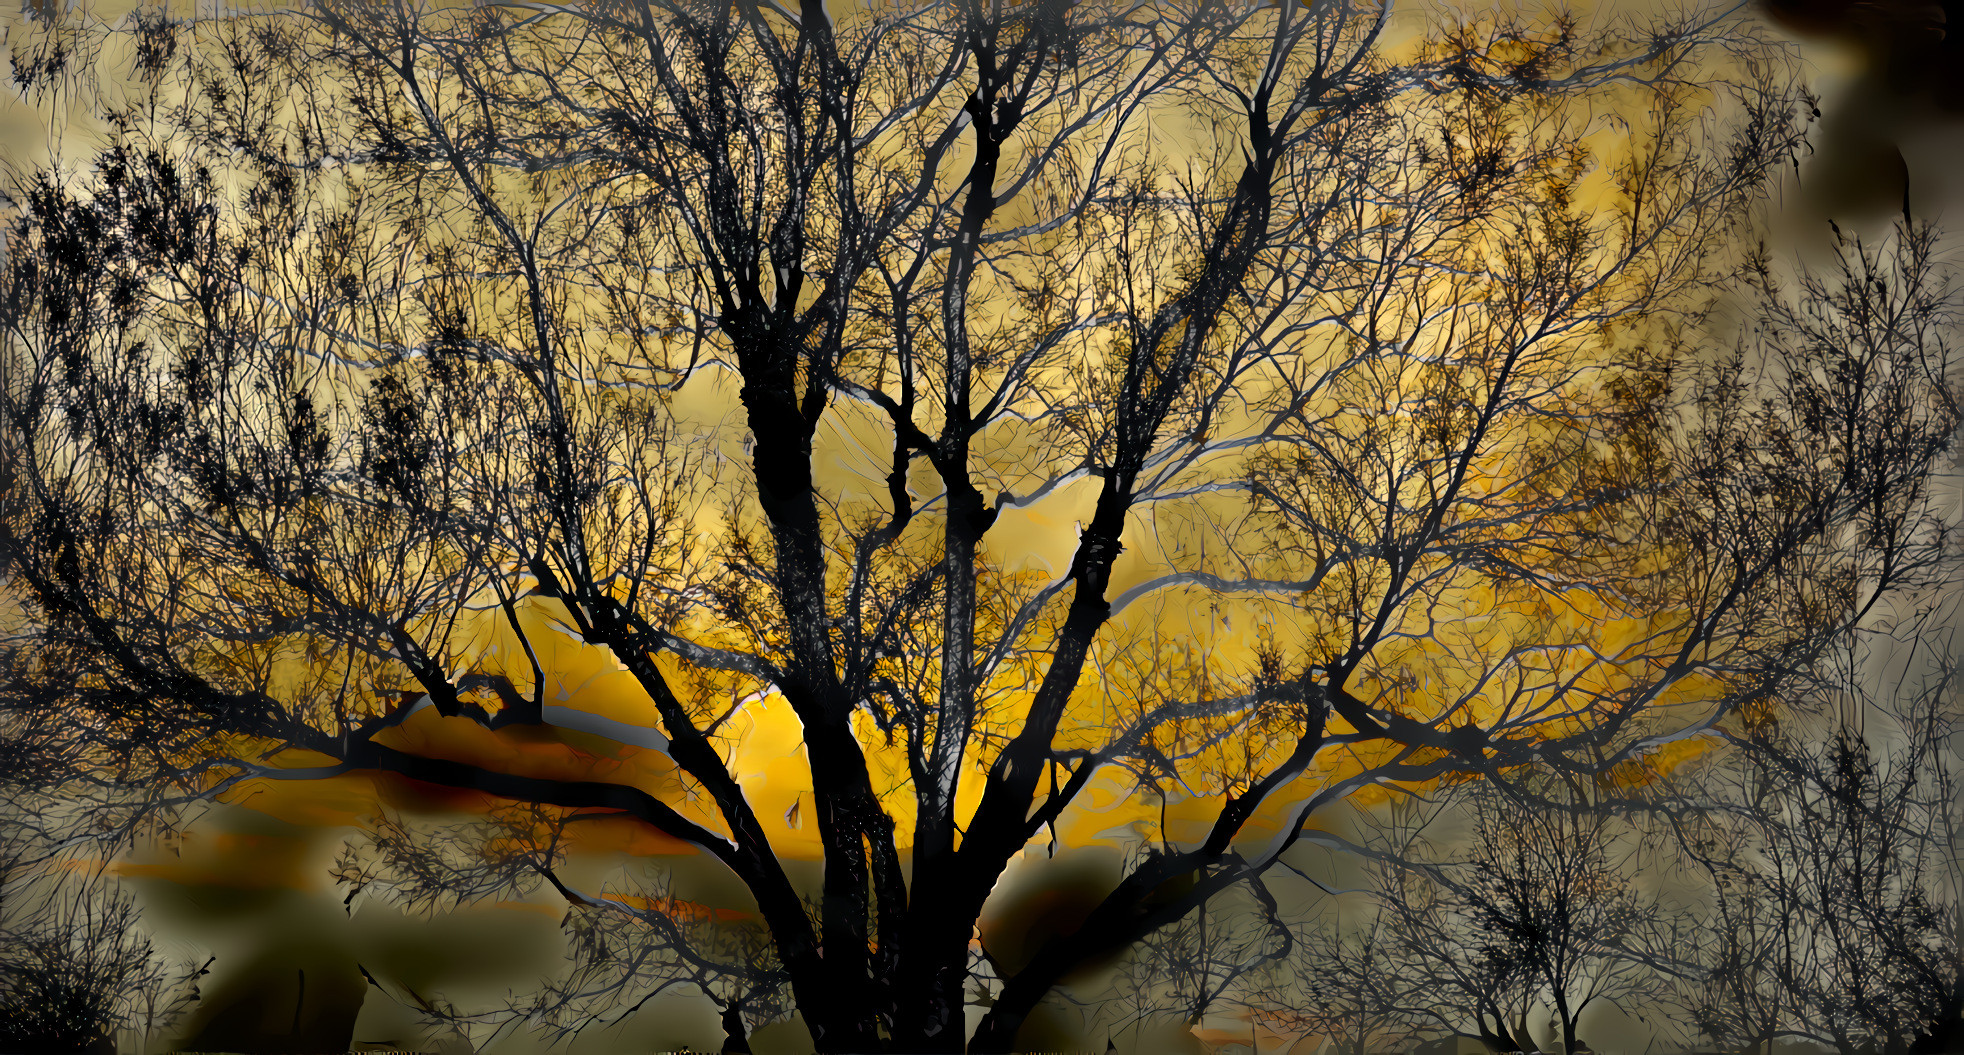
(1568,1022)
(932,999)
(847,814)
(736,1040)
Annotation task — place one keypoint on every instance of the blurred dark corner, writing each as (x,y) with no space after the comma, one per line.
(1891,140)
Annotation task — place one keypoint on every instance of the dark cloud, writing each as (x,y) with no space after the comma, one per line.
(1908,44)
(1890,140)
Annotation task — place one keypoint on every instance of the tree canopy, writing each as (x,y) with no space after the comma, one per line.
(866,445)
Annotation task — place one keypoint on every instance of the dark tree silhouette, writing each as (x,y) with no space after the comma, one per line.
(628,944)
(1349,986)
(1842,880)
(1538,906)
(76,967)
(1828,827)
(393,359)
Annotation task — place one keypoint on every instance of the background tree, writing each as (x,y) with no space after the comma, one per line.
(1556,892)
(1209,964)
(1346,987)
(1830,837)
(78,969)
(630,942)
(397,367)
(1537,907)
(1852,844)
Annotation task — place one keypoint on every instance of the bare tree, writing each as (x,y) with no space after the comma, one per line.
(1827,826)
(1348,986)
(76,965)
(1733,994)
(1539,904)
(1851,844)
(629,944)
(77,968)
(1222,960)
(393,358)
